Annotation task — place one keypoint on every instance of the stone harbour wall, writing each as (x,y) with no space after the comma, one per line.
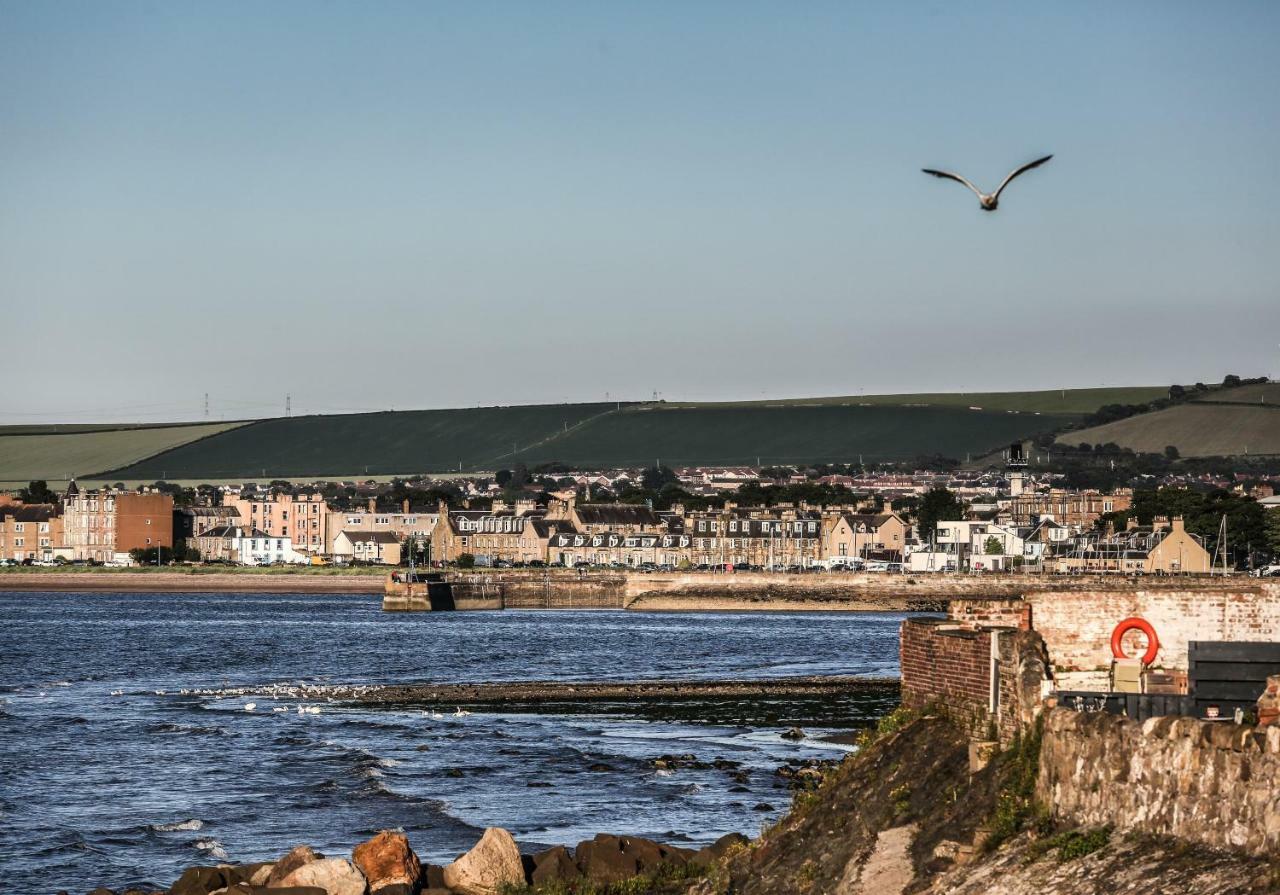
(1216,784)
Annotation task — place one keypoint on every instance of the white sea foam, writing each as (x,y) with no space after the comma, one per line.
(192,824)
(213,847)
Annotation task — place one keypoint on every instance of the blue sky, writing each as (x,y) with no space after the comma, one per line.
(422,205)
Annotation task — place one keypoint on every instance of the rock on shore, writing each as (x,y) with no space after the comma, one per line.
(387,865)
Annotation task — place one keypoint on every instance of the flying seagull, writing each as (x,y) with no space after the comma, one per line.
(990,201)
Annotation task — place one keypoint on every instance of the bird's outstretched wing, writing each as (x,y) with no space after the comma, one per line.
(1027,167)
(956,177)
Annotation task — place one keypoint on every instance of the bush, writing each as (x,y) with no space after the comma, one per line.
(1077,844)
(466,561)
(1016,803)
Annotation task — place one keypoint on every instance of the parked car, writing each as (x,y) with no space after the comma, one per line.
(876,565)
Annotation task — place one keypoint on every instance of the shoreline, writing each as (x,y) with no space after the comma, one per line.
(141,581)
(543,692)
(534,693)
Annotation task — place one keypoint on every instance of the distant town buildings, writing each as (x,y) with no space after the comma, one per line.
(105,525)
(1009,523)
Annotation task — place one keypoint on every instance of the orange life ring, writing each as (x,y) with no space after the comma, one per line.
(1135,624)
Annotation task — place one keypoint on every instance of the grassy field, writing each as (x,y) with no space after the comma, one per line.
(1195,429)
(786,434)
(1070,401)
(370,444)
(590,435)
(1258,393)
(80,428)
(874,427)
(26,457)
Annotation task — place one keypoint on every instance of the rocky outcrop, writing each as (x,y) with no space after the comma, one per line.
(611,859)
(387,860)
(1026,866)
(387,865)
(492,863)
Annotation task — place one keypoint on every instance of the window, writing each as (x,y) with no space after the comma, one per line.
(18,526)
(17,542)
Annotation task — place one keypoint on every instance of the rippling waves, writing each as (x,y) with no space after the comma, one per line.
(129,753)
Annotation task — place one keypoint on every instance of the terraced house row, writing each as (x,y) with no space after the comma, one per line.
(568,533)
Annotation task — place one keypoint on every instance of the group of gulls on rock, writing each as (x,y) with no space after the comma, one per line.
(989,201)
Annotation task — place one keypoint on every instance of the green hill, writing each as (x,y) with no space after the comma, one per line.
(350,445)
(1232,422)
(786,433)
(1080,401)
(873,427)
(39,455)
(585,434)
(1254,393)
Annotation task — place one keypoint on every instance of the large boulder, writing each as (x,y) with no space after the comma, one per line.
(492,863)
(554,865)
(432,876)
(249,889)
(337,876)
(611,859)
(297,856)
(387,860)
(202,881)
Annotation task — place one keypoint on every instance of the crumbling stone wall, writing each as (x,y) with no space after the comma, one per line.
(1023,670)
(1216,784)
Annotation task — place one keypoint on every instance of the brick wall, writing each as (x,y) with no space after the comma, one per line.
(948,665)
(1077,625)
(994,613)
(1213,784)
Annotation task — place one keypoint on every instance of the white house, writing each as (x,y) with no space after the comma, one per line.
(258,549)
(245,546)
